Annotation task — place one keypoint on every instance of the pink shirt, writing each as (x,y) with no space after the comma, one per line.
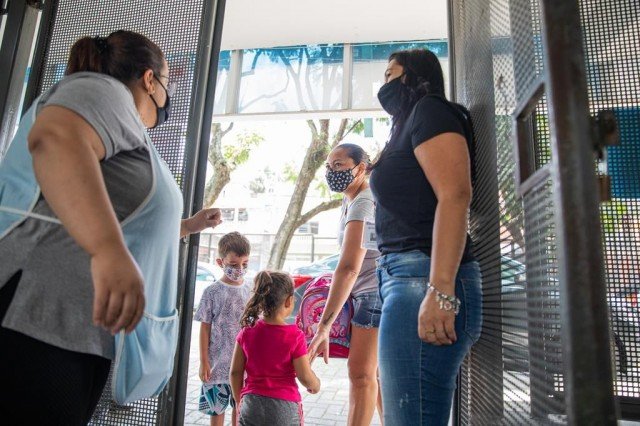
(269,351)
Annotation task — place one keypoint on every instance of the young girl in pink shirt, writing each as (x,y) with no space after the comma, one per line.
(272,354)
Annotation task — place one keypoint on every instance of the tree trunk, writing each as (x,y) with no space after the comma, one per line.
(322,207)
(216,184)
(221,169)
(314,158)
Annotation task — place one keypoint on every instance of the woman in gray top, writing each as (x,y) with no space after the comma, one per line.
(68,283)
(355,275)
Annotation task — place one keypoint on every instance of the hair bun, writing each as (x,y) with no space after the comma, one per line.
(101,43)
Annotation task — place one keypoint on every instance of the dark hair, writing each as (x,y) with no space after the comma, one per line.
(233,242)
(355,152)
(124,55)
(270,291)
(422,76)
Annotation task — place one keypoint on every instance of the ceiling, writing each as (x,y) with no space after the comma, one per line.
(272,23)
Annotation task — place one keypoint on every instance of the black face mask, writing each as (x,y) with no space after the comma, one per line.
(390,96)
(162,113)
(339,181)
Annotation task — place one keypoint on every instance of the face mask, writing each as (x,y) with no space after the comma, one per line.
(339,181)
(162,113)
(390,94)
(234,273)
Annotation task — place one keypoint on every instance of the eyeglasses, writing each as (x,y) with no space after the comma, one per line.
(335,167)
(171,87)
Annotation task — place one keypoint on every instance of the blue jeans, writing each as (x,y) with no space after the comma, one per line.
(418,379)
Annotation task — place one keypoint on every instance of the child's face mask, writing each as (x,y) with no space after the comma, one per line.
(234,273)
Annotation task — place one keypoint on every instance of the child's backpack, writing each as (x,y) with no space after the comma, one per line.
(311,308)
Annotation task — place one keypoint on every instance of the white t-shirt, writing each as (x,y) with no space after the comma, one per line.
(222,306)
(360,208)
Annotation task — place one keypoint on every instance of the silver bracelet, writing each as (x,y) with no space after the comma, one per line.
(446,302)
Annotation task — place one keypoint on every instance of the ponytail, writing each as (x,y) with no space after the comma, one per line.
(270,291)
(124,55)
(255,306)
(86,55)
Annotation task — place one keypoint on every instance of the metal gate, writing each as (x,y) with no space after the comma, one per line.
(189,33)
(531,72)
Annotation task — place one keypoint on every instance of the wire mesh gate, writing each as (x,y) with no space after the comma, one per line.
(499,73)
(499,59)
(184,31)
(612,39)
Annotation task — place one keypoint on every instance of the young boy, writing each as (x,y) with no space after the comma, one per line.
(219,313)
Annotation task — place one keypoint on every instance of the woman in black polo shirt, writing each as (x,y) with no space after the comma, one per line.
(429,280)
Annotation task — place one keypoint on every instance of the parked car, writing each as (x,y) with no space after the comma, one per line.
(304,274)
(205,276)
(624,317)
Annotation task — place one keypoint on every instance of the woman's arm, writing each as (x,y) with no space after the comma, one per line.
(66,153)
(344,278)
(205,218)
(305,374)
(236,373)
(205,336)
(445,162)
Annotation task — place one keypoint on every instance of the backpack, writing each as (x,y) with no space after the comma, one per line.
(311,308)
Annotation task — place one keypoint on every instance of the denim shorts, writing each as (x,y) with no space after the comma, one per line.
(367,308)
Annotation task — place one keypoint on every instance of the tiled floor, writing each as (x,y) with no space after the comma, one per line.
(329,407)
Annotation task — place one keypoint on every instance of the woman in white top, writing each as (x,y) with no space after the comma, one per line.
(355,275)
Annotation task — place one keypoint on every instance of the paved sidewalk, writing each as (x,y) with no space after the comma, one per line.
(328,407)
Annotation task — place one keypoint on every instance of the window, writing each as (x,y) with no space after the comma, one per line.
(204,275)
(309,228)
(314,227)
(243,215)
(228,214)
(297,78)
(369,63)
(309,77)
(224,66)
(333,263)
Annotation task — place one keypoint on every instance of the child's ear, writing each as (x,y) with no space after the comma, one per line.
(288,302)
(219,262)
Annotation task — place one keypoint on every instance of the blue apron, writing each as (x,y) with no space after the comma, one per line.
(144,358)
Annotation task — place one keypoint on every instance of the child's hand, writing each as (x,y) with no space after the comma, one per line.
(205,371)
(314,390)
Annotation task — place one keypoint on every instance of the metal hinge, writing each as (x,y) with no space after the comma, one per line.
(604,128)
(36,4)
